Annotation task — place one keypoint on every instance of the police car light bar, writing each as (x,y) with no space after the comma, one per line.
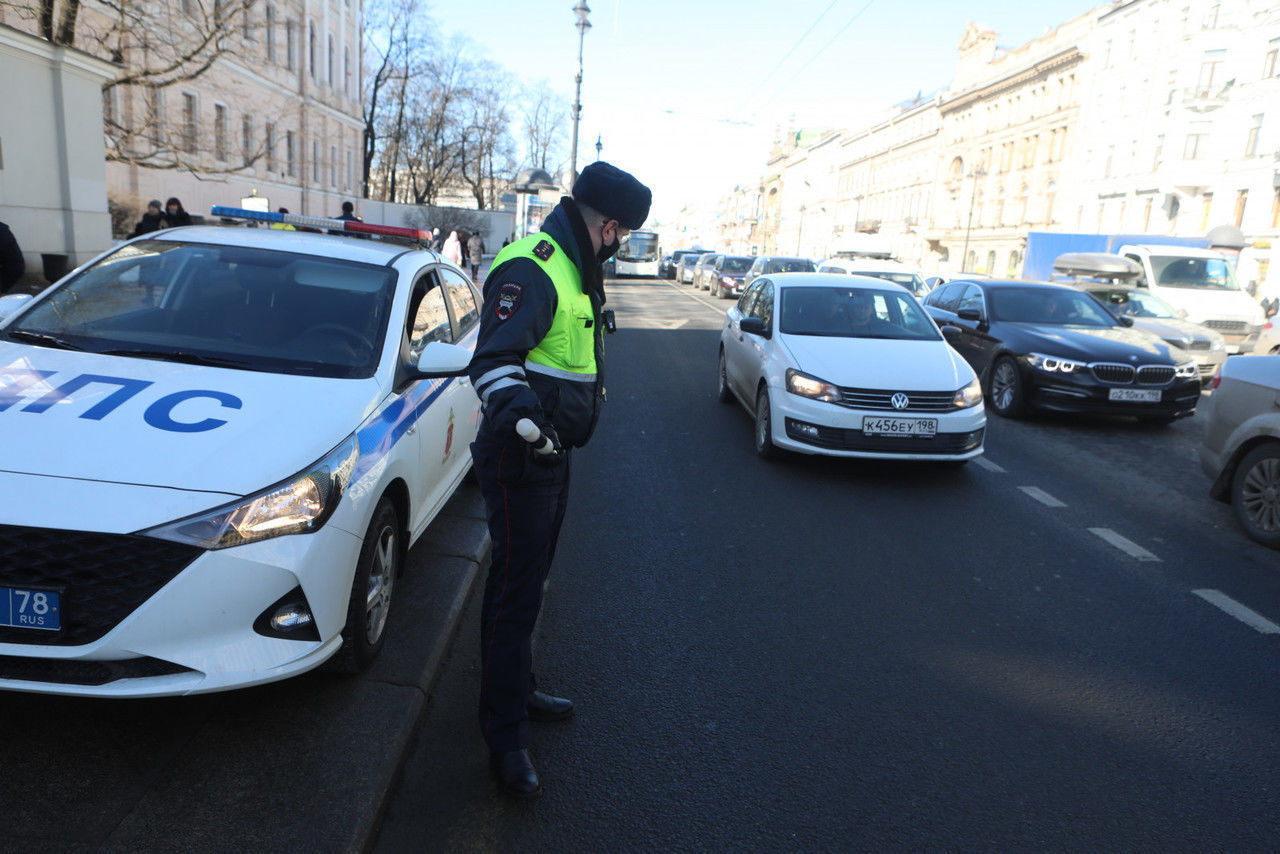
(320,222)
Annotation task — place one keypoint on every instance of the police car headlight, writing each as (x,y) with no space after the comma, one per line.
(300,505)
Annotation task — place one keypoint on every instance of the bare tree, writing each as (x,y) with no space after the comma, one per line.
(486,149)
(395,59)
(545,115)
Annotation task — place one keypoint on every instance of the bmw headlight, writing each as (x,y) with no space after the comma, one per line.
(300,505)
(1186,371)
(970,395)
(1055,364)
(811,387)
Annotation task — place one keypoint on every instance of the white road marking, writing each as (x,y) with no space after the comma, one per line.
(719,309)
(988,465)
(1250,618)
(1127,546)
(1043,497)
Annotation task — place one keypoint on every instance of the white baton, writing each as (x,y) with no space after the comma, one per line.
(531,434)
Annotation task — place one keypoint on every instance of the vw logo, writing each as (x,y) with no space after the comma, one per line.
(900,401)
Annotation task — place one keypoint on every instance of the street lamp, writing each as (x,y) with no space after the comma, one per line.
(973,197)
(599,146)
(581,10)
(858,214)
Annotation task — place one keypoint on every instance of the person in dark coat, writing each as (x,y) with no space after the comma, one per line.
(349,212)
(12,266)
(475,252)
(152,220)
(175,214)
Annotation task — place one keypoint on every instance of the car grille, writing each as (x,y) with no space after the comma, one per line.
(839,439)
(102,577)
(1155,374)
(74,672)
(1207,370)
(919,401)
(1228,325)
(1105,372)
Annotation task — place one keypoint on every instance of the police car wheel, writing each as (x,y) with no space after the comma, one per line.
(722,384)
(765,448)
(376,572)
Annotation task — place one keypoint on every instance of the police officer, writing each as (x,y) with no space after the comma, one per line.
(540,356)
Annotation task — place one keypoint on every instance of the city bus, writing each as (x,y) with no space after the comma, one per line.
(638,255)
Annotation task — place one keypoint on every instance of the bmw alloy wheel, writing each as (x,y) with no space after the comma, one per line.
(1006,388)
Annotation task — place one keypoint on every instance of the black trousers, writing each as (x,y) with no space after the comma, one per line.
(525,505)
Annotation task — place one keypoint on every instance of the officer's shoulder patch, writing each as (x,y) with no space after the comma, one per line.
(508,300)
(544,250)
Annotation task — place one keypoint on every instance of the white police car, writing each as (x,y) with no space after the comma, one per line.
(218,444)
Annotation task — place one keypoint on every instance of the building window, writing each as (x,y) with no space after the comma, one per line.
(1193,149)
(290,156)
(346,71)
(333,166)
(290,46)
(991,262)
(1206,207)
(1210,67)
(270,146)
(109,111)
(220,131)
(1015,258)
(1269,61)
(1159,153)
(311,49)
(1242,198)
(350,160)
(246,139)
(1251,141)
(155,115)
(315,161)
(271,33)
(188,123)
(329,68)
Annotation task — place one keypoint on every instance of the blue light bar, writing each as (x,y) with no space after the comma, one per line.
(244,213)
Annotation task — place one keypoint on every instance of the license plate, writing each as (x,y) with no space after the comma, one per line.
(23,608)
(904,427)
(1135,395)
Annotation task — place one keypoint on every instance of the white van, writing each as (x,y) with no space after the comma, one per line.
(892,271)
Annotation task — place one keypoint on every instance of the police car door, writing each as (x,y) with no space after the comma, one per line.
(429,321)
(464,303)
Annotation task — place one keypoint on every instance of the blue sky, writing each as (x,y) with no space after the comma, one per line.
(687,95)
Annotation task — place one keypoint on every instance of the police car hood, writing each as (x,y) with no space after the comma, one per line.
(150,423)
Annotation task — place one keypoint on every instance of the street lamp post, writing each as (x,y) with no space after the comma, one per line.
(599,146)
(800,230)
(973,197)
(858,214)
(581,10)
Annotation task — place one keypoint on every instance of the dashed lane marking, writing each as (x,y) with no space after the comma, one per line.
(1250,618)
(1043,497)
(988,465)
(1127,546)
(719,309)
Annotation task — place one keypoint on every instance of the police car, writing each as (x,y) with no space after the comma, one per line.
(219,443)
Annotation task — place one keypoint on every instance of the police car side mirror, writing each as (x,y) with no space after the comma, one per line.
(439,359)
(10,304)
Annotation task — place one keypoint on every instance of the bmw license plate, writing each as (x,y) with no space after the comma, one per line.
(904,427)
(24,608)
(1135,395)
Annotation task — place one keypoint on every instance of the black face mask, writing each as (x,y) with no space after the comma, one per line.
(607,252)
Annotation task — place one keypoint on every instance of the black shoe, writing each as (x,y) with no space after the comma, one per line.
(543,708)
(515,773)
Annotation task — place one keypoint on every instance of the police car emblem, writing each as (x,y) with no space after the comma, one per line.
(508,300)
(544,250)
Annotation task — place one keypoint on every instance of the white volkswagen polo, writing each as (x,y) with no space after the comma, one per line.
(219,442)
(848,366)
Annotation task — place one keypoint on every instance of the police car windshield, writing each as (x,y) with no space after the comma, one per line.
(248,308)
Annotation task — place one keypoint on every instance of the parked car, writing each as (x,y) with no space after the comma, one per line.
(1152,314)
(1241,446)
(668,269)
(701,269)
(727,273)
(219,444)
(1268,339)
(847,366)
(890,271)
(686,265)
(1044,346)
(938,279)
(766,265)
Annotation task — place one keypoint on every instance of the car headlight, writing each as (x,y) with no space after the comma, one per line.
(1216,341)
(728,280)
(811,387)
(1186,371)
(1055,364)
(300,505)
(970,395)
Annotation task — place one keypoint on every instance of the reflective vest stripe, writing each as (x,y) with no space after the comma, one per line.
(504,371)
(548,371)
(505,382)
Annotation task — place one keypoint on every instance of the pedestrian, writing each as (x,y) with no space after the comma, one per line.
(539,356)
(464,243)
(453,248)
(175,214)
(349,212)
(475,250)
(12,264)
(282,226)
(436,243)
(152,220)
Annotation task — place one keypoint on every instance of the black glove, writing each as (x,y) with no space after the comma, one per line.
(555,456)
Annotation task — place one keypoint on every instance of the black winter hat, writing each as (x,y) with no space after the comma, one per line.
(614,193)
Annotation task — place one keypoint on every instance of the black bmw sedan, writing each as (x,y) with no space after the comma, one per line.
(1040,346)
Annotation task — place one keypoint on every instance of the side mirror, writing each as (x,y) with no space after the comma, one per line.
(951,333)
(969,314)
(1124,319)
(10,304)
(754,326)
(439,359)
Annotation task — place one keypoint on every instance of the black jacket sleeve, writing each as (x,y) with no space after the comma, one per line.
(12,265)
(519,307)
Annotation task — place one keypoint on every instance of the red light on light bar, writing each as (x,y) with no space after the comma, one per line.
(389,230)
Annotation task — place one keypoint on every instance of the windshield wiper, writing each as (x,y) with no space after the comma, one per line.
(178,356)
(42,338)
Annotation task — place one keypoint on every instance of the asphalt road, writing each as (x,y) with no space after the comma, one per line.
(831,655)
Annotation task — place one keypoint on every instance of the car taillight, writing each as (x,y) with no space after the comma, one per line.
(1217,379)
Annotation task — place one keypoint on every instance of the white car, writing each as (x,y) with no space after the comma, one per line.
(848,366)
(1268,338)
(219,444)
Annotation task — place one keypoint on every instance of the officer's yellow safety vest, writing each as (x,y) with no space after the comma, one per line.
(568,349)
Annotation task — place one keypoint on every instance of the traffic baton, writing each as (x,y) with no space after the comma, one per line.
(531,434)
